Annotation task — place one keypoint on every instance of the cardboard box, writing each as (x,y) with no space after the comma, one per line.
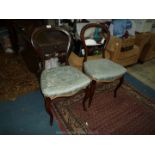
(143,25)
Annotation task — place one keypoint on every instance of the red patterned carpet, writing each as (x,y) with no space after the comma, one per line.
(129,113)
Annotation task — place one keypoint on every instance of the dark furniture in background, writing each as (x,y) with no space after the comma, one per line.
(20,31)
(8,24)
(24,29)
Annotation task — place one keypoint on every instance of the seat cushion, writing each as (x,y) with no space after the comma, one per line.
(61,81)
(103,69)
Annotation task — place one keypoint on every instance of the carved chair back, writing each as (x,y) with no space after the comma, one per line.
(51,42)
(95,38)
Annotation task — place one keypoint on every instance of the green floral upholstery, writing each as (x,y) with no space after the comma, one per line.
(62,80)
(103,69)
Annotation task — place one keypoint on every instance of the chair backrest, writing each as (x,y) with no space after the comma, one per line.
(51,42)
(95,38)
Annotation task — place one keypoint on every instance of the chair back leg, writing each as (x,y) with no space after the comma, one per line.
(92,91)
(87,94)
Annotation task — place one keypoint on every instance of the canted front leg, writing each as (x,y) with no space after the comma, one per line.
(48,109)
(120,83)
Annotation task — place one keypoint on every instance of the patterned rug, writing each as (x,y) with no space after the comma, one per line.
(144,72)
(15,78)
(129,113)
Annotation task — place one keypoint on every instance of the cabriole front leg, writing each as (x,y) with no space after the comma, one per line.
(119,85)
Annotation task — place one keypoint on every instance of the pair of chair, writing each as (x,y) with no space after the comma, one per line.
(65,80)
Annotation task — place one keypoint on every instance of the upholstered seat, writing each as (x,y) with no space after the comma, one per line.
(61,81)
(103,69)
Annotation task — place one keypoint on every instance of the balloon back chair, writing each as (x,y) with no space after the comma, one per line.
(95,38)
(61,80)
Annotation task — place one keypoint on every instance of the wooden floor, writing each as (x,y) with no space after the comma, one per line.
(144,72)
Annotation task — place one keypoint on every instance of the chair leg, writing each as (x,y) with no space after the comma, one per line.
(120,83)
(92,91)
(87,93)
(48,109)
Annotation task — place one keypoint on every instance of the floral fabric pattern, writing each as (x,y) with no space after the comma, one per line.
(103,69)
(62,80)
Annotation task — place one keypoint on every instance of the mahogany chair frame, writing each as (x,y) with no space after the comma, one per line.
(48,100)
(39,50)
(102,49)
